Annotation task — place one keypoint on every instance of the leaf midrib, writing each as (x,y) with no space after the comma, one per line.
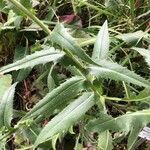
(54,97)
(124,75)
(15,63)
(69,113)
(4,111)
(126,115)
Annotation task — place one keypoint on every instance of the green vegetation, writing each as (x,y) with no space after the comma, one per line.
(74,74)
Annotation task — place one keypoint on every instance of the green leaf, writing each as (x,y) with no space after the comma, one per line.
(105,141)
(144,52)
(26,3)
(78,145)
(142,96)
(30,132)
(35,3)
(54,141)
(51,83)
(116,72)
(2,142)
(131,121)
(133,136)
(70,115)
(20,53)
(50,80)
(61,36)
(5,82)
(131,38)
(12,20)
(101,46)
(41,57)
(6,107)
(57,98)
(113,4)
(2,5)
(122,123)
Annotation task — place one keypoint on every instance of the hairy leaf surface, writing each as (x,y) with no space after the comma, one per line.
(131,38)
(142,96)
(116,72)
(131,121)
(70,115)
(5,82)
(122,123)
(133,136)
(6,107)
(105,141)
(144,52)
(61,36)
(40,57)
(57,98)
(101,46)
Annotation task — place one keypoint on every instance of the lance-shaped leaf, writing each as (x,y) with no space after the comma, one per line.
(5,82)
(20,53)
(131,38)
(113,4)
(70,115)
(40,57)
(122,123)
(61,36)
(129,122)
(101,46)
(57,98)
(105,141)
(28,133)
(133,136)
(116,72)
(143,52)
(6,107)
(142,96)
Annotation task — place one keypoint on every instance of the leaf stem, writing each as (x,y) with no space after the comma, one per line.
(113,98)
(26,148)
(29,14)
(126,90)
(83,72)
(87,42)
